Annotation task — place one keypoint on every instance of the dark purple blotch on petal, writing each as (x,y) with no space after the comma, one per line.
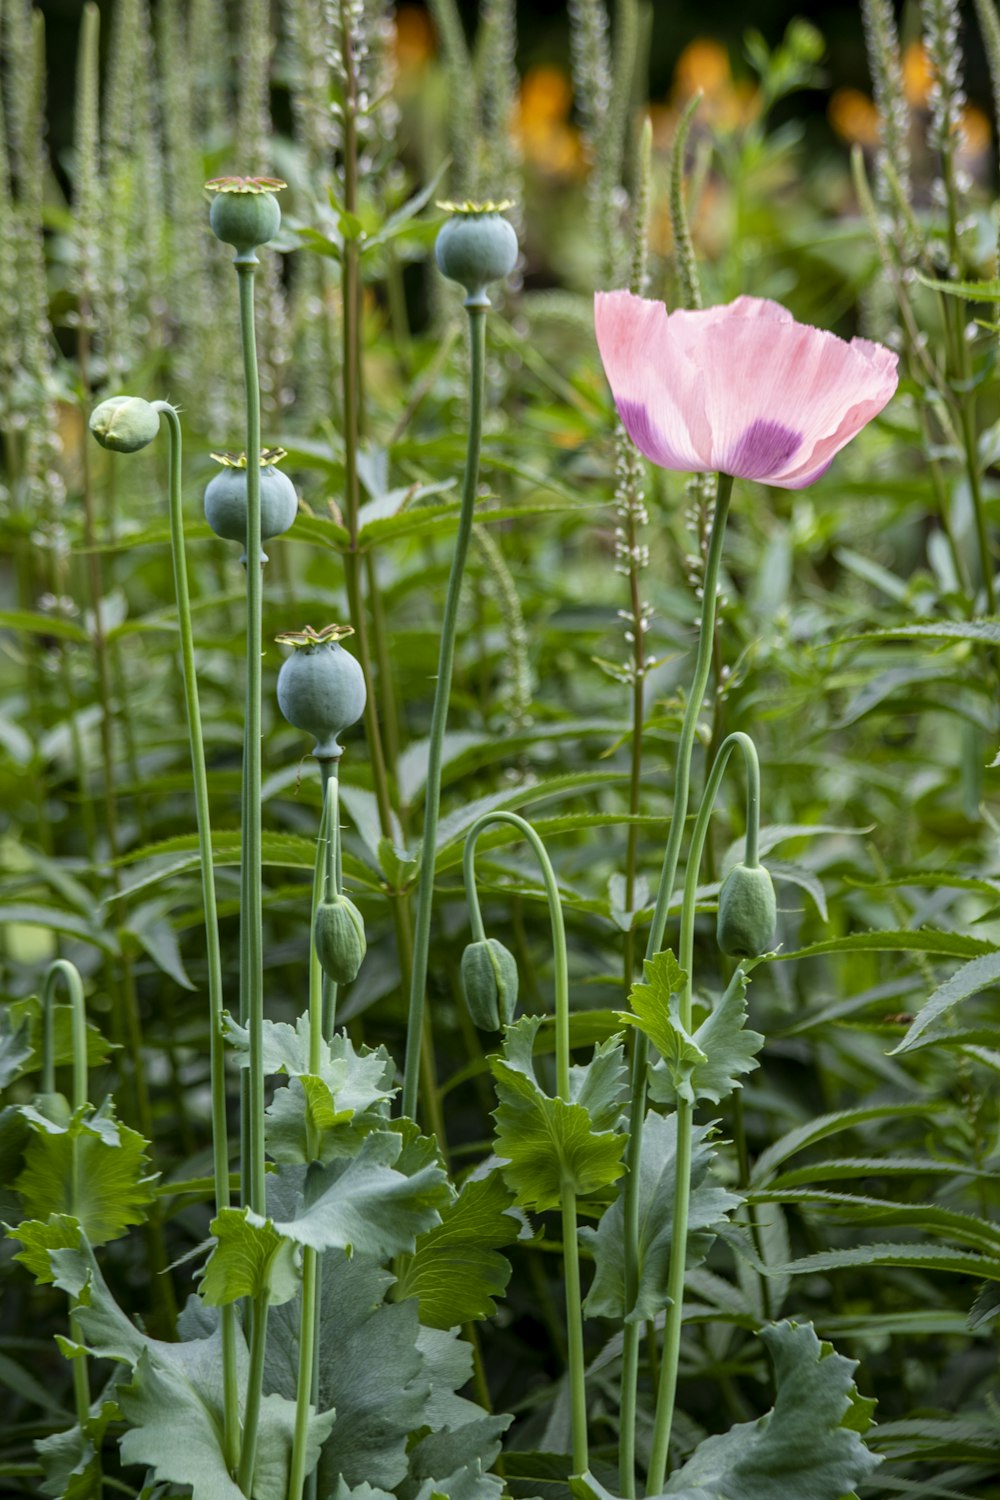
(763,449)
(641,429)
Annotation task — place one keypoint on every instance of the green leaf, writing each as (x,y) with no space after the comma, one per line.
(927,1257)
(38,1237)
(707,1065)
(72,1459)
(29,1012)
(709,1204)
(924,940)
(807,1447)
(455,1271)
(104,1159)
(970,291)
(365,1204)
(813,1131)
(248,1260)
(970,979)
(15,1046)
(547,1142)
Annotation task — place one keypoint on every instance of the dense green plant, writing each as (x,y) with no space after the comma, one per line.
(347,1301)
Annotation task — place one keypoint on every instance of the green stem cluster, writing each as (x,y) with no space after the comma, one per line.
(571,1249)
(640,1055)
(439,717)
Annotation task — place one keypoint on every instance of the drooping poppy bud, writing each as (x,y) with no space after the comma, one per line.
(124,423)
(747,912)
(489,983)
(340,939)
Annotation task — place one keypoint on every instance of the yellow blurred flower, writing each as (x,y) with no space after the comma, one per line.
(976,130)
(541,123)
(415,38)
(918,74)
(854,117)
(726,102)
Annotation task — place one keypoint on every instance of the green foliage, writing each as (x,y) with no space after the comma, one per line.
(456,1271)
(545,1143)
(248,1260)
(710,1203)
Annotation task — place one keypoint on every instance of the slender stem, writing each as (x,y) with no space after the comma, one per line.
(63,969)
(571,1248)
(632,1336)
(308,1304)
(667,1393)
(251,903)
(216,997)
(439,718)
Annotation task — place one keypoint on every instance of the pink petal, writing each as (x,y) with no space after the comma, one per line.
(657,389)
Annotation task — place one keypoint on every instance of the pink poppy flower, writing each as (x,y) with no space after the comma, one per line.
(741,389)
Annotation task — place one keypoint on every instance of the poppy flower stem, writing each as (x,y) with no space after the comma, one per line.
(439,719)
(199,777)
(667,1392)
(307,1390)
(571,1247)
(640,1053)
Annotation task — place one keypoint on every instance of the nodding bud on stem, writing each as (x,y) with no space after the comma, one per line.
(747,912)
(476,246)
(489,983)
(340,939)
(244,211)
(124,423)
(321,687)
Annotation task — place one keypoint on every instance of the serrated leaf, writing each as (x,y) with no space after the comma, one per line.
(707,1065)
(456,1272)
(89,1167)
(248,1260)
(72,1459)
(38,1237)
(545,1143)
(365,1204)
(709,1203)
(969,980)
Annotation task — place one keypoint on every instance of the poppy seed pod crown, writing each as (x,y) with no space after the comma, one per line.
(321,687)
(244,211)
(226,498)
(476,246)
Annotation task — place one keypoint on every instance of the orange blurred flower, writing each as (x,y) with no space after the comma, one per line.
(918,75)
(976,130)
(704,65)
(415,38)
(541,124)
(854,117)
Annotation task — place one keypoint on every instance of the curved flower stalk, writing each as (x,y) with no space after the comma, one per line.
(475,247)
(745,390)
(125,424)
(571,1250)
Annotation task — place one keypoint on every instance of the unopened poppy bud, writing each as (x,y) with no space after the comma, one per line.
(321,687)
(340,940)
(489,983)
(124,423)
(475,246)
(747,912)
(244,211)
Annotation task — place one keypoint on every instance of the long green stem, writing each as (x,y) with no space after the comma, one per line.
(667,1393)
(63,969)
(571,1248)
(439,718)
(251,905)
(306,1392)
(216,997)
(640,1054)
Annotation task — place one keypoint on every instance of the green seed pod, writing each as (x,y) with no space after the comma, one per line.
(226,498)
(244,211)
(124,423)
(321,687)
(747,912)
(340,941)
(489,983)
(475,246)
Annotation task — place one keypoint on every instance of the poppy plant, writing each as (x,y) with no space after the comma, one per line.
(741,389)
